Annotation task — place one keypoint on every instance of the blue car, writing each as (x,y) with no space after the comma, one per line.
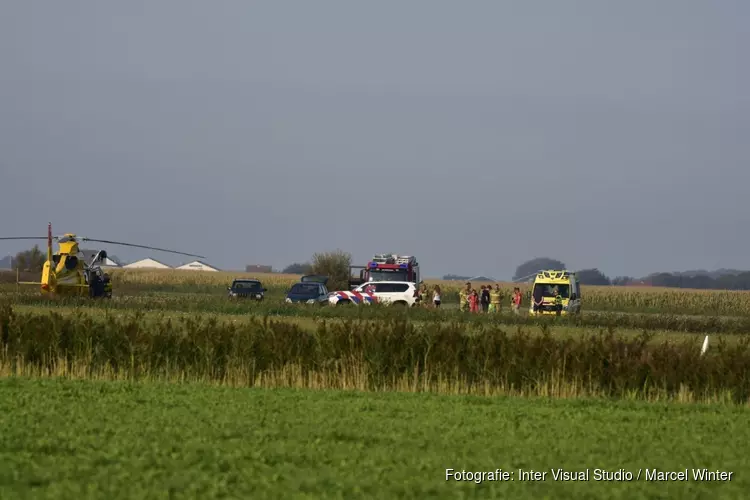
(310,290)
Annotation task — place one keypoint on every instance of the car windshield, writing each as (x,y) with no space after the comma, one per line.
(305,289)
(547,290)
(246,285)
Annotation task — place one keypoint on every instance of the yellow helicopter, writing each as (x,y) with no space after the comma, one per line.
(65,273)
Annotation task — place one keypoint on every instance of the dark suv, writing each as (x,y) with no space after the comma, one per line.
(247,289)
(311,289)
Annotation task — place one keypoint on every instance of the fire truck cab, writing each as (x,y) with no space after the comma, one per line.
(387,267)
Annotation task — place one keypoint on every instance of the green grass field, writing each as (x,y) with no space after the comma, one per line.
(126,424)
(90,439)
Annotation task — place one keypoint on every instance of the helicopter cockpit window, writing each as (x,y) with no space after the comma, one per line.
(71,262)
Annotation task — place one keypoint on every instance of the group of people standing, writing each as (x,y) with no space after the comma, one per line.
(487,300)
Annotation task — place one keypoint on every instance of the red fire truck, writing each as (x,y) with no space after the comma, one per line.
(386,267)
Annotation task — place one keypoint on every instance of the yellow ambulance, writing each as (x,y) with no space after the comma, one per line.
(547,286)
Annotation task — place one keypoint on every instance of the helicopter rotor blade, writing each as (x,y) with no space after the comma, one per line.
(23,238)
(142,246)
(56,238)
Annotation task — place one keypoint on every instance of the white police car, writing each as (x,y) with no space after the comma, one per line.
(402,293)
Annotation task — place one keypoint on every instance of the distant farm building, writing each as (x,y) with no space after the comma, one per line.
(482,278)
(147,264)
(258,269)
(107,262)
(197,265)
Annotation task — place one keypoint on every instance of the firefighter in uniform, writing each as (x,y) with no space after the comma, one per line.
(107,285)
(463,298)
(495,298)
(424,296)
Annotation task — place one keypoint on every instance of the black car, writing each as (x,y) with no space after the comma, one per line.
(247,289)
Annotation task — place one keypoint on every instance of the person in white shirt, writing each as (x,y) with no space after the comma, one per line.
(436,296)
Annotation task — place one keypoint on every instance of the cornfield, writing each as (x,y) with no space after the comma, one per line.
(601,298)
(187,278)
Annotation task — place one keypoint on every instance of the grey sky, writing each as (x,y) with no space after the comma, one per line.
(459,132)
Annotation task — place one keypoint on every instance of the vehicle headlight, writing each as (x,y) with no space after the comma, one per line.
(311,301)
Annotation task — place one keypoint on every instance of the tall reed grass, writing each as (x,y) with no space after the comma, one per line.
(371,355)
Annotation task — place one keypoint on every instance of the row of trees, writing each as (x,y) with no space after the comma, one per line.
(740,281)
(529,268)
(298,268)
(728,280)
(336,265)
(29,260)
(590,276)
